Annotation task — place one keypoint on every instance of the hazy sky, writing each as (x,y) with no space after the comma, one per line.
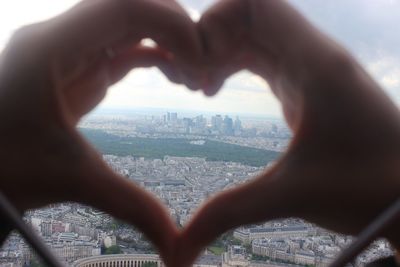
(368,28)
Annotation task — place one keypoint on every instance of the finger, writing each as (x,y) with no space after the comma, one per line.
(86,92)
(228,20)
(89,89)
(101,188)
(216,75)
(92,26)
(223,30)
(143,57)
(259,200)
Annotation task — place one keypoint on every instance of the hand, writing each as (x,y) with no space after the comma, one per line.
(341,169)
(54,72)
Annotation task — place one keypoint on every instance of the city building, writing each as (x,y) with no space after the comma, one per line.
(237,126)
(235,257)
(120,260)
(216,123)
(247,235)
(227,127)
(139,260)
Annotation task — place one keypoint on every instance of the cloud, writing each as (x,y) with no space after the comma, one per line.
(194,14)
(386,71)
(363,26)
(246,81)
(149,88)
(392,80)
(368,28)
(200,6)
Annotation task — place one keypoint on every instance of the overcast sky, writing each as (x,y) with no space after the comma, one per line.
(368,28)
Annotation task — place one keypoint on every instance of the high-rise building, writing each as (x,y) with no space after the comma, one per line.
(216,122)
(187,124)
(237,127)
(174,117)
(200,122)
(238,124)
(227,127)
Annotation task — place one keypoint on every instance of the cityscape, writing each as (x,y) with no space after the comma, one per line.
(183,160)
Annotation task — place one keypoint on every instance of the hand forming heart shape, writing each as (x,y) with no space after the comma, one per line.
(54,72)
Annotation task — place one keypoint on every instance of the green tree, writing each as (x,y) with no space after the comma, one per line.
(113,250)
(36,263)
(157,148)
(256,257)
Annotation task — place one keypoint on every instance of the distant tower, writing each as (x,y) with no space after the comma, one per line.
(200,122)
(216,122)
(238,124)
(187,124)
(227,128)
(213,122)
(174,116)
(237,127)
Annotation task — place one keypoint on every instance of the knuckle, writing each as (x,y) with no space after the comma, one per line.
(209,18)
(27,43)
(27,35)
(122,8)
(24,31)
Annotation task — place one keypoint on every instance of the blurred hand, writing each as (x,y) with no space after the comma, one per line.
(345,150)
(341,169)
(52,73)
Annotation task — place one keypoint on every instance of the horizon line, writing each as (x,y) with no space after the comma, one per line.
(161,110)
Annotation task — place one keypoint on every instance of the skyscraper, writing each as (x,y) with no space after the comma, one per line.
(174,117)
(237,127)
(216,122)
(227,127)
(238,124)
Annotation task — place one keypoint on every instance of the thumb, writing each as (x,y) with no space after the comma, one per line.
(91,86)
(259,200)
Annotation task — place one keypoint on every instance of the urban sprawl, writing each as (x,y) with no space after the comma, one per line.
(75,232)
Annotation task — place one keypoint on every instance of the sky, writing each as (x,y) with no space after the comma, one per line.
(367,28)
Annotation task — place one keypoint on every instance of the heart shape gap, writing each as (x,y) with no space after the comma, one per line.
(334,150)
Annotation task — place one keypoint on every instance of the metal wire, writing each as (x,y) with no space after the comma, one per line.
(369,234)
(11,215)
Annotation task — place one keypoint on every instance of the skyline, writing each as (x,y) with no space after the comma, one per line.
(156,111)
(365,27)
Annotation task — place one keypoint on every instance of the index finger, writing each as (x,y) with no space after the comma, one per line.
(92,26)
